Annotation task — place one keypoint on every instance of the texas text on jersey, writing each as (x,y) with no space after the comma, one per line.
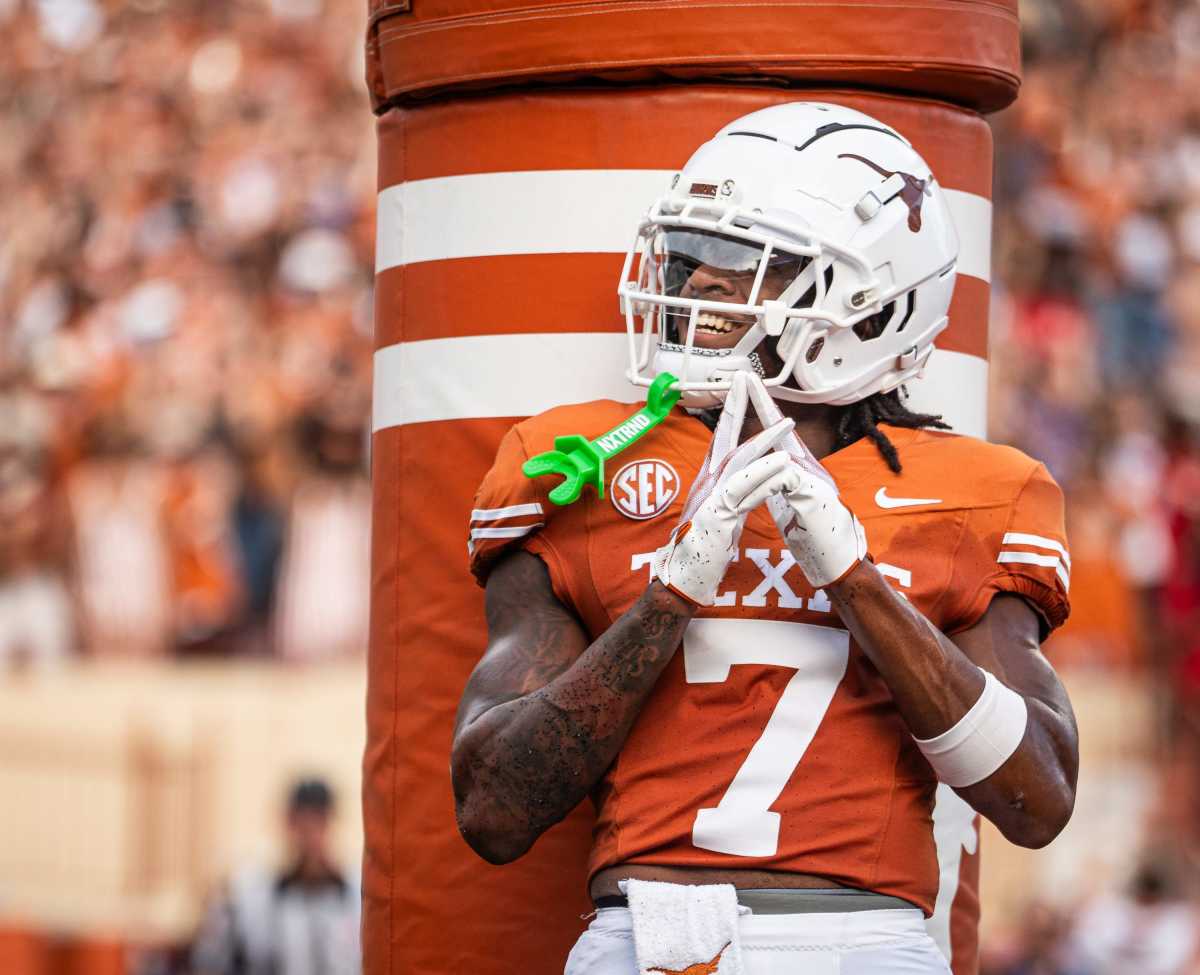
(715,771)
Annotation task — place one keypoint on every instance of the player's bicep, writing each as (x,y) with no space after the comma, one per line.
(532,637)
(1007,642)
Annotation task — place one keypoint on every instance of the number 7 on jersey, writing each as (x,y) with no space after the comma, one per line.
(742,823)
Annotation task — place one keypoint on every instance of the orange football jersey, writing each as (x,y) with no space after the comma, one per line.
(770,741)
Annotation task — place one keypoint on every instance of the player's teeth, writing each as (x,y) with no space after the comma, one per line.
(713,323)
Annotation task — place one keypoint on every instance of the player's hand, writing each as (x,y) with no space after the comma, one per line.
(697,555)
(824,537)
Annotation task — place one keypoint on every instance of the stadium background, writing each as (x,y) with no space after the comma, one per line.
(186,258)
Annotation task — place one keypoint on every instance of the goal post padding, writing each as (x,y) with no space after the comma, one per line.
(511,176)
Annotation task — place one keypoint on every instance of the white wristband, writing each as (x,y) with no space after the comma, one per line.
(983,739)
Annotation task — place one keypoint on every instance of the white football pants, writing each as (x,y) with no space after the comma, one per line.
(892,942)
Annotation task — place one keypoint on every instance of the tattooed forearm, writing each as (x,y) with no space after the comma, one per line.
(557,715)
(638,646)
(535,769)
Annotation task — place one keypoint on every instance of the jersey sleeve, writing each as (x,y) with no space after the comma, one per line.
(508,511)
(1020,549)
(512,511)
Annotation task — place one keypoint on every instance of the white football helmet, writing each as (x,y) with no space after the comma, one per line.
(831,209)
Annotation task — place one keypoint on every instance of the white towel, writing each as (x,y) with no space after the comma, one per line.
(682,929)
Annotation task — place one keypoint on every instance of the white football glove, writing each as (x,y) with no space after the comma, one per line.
(824,537)
(695,558)
(698,553)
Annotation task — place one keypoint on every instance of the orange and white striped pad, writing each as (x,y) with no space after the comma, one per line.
(503,222)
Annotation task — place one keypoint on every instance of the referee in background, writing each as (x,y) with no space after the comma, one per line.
(301,920)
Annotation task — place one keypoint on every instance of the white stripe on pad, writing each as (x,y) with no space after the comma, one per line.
(569,211)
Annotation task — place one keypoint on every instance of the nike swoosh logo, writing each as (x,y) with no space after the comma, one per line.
(882,499)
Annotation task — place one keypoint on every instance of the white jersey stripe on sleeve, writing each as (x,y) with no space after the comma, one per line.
(1030,558)
(512,511)
(517,532)
(504,532)
(1037,541)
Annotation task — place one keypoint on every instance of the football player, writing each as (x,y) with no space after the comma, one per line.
(764,687)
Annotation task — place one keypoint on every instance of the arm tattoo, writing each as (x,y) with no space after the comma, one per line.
(535,656)
(560,711)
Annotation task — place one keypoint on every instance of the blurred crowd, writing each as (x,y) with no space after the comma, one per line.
(185,292)
(185,316)
(1096,370)
(1096,318)
(1148,928)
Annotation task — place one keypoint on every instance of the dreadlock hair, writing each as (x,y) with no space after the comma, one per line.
(858,420)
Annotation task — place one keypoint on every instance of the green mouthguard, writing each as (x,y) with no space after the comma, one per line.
(581,461)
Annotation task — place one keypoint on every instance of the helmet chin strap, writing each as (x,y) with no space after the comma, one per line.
(756,365)
(710,414)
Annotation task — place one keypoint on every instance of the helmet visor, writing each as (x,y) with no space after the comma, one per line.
(692,264)
(715,266)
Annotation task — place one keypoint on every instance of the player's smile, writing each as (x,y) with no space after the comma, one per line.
(713,329)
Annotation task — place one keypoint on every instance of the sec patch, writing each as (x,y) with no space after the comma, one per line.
(644,488)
